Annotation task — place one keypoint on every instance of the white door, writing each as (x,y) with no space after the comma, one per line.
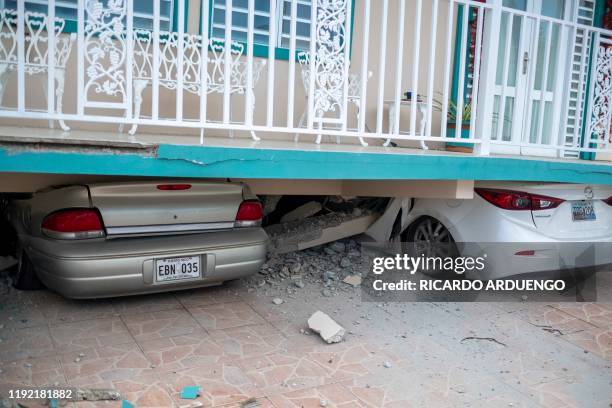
(529,73)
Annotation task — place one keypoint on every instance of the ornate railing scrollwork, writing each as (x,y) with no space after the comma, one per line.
(105,49)
(331,46)
(602,96)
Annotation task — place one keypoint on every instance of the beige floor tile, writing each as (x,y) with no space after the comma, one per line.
(18,344)
(595,340)
(69,337)
(145,303)
(146,390)
(209,296)
(221,384)
(332,396)
(225,315)
(41,371)
(34,373)
(160,324)
(182,352)
(248,341)
(109,363)
(598,314)
(58,309)
(286,371)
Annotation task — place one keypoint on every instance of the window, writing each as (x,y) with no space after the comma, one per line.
(262,22)
(302,28)
(67,9)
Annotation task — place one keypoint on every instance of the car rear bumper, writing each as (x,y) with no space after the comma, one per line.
(106,268)
(517,258)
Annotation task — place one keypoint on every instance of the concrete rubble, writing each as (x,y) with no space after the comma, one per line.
(304,211)
(250,403)
(97,395)
(314,231)
(353,280)
(328,329)
(285,276)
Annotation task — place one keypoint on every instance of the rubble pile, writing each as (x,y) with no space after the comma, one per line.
(286,235)
(332,268)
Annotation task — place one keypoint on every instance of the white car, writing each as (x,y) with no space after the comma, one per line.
(522,227)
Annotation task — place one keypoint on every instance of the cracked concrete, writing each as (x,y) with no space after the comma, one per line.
(161,155)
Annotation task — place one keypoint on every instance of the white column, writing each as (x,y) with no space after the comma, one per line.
(484,118)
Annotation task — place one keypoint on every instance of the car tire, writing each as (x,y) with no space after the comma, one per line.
(26,278)
(429,237)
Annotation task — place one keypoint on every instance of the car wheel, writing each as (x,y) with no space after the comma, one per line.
(26,278)
(429,237)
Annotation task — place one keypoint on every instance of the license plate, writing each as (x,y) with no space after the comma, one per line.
(583,211)
(173,269)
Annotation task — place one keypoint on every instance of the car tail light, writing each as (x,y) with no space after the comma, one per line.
(539,202)
(73,223)
(608,201)
(518,201)
(173,187)
(249,214)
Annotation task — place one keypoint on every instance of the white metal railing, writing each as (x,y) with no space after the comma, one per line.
(354,62)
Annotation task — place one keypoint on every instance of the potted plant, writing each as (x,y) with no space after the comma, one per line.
(466,116)
(451,125)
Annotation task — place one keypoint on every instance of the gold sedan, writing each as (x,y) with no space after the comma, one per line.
(115,239)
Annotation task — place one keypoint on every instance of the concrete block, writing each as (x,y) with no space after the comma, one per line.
(328,329)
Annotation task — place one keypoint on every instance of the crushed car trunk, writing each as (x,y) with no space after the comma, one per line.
(166,207)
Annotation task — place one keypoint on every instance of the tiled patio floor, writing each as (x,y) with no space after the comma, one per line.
(236,344)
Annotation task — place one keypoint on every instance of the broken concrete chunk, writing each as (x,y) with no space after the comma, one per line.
(304,211)
(250,403)
(277,301)
(328,329)
(295,268)
(329,276)
(338,246)
(270,202)
(97,395)
(353,280)
(329,251)
(354,253)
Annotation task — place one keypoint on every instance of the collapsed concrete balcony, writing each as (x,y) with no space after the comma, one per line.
(313,76)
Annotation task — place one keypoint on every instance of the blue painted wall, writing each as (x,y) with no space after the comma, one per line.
(202,161)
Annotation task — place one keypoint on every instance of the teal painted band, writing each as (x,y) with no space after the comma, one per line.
(218,162)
